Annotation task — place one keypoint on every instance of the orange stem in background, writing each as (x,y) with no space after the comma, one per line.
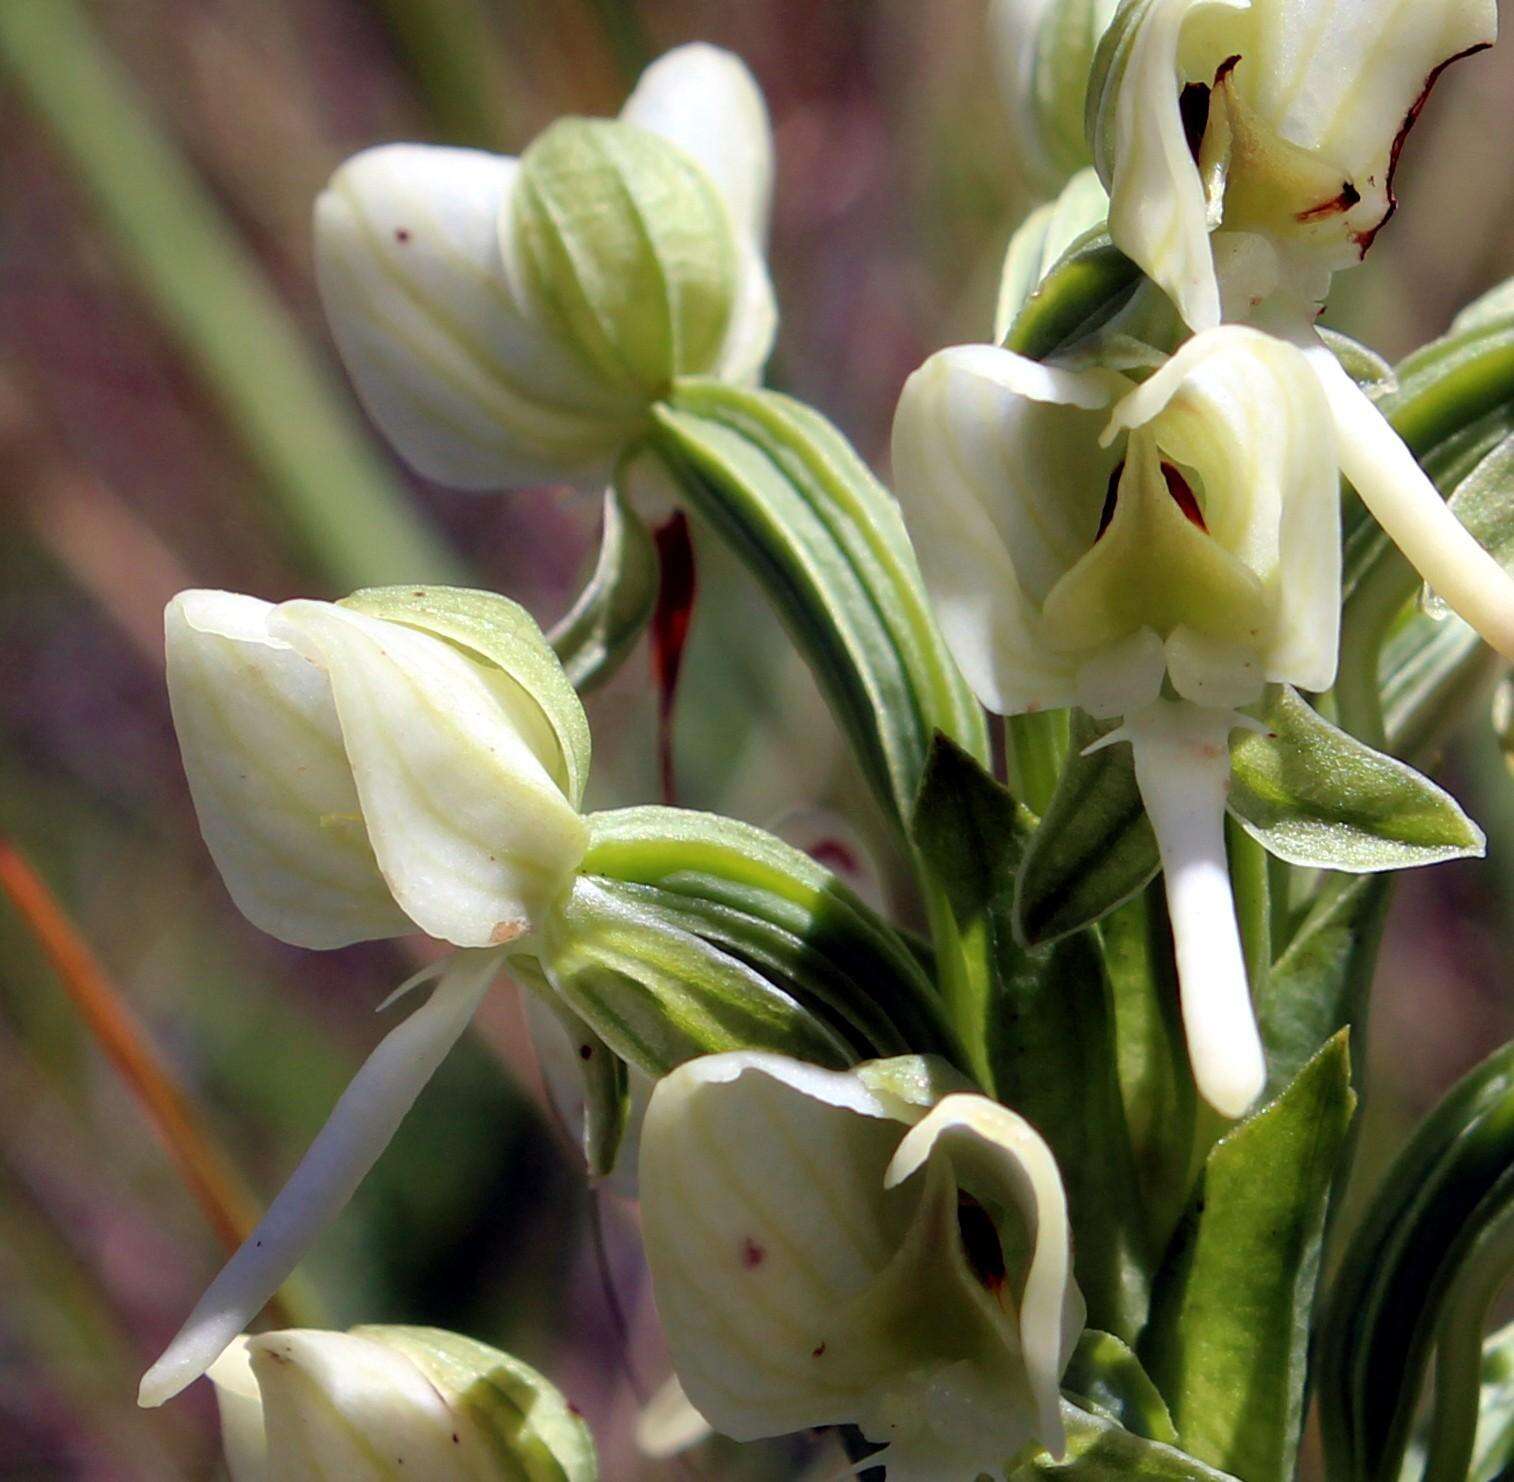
(230,1209)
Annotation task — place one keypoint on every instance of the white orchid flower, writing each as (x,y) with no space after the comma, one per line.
(386,1404)
(511,321)
(408,759)
(1249,147)
(1199,552)
(852,1247)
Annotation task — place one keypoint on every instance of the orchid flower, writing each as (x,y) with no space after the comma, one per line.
(1158,552)
(387,1404)
(511,321)
(404,760)
(858,1248)
(1249,148)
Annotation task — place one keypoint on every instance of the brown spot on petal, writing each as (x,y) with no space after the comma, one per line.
(506,931)
(401,234)
(1335,206)
(834,855)
(1183,496)
(818,1351)
(1111,498)
(1365,239)
(752,1254)
(586,1052)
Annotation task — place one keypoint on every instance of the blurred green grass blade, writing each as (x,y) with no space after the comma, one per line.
(456,53)
(344,512)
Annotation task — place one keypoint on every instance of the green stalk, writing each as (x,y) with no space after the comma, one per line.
(340,505)
(457,55)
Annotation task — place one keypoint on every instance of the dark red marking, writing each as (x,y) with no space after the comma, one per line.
(818,1352)
(1223,71)
(980,1243)
(1183,497)
(752,1254)
(670,632)
(1193,104)
(834,855)
(1336,206)
(1111,498)
(401,234)
(1365,239)
(585,1052)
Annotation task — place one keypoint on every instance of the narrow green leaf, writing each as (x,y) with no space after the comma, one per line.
(781,912)
(596,634)
(1229,1337)
(659,995)
(1099,1450)
(1364,365)
(338,499)
(1314,796)
(1107,1378)
(1496,304)
(1094,849)
(826,540)
(1047,1027)
(1379,1325)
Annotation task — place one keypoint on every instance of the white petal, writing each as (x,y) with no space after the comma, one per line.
(998,1156)
(707,102)
(1158,214)
(1408,506)
(1124,676)
(339,1405)
(444,355)
(271,783)
(1182,762)
(764,1214)
(754,320)
(243,1439)
(992,463)
(359,1129)
(669,1424)
(1211,672)
(474,837)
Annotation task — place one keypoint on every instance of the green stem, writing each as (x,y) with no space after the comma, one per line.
(1036,750)
(340,504)
(1458,1357)
(1250,882)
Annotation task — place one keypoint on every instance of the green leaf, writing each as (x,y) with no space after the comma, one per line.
(1494,305)
(1046,1024)
(1082,293)
(498,632)
(1314,796)
(1364,365)
(1450,1182)
(594,636)
(792,498)
(658,995)
(1099,1450)
(779,911)
(1229,1337)
(1094,849)
(1107,1378)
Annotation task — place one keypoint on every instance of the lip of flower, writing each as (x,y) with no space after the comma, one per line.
(880,1295)
(493,358)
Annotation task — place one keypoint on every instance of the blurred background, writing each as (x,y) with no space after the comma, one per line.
(171,415)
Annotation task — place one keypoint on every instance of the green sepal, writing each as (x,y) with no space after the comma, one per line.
(1106,1378)
(1450,1183)
(1229,1336)
(659,995)
(779,911)
(593,638)
(1314,796)
(498,632)
(537,1435)
(1095,848)
(1099,1450)
(1090,284)
(1045,1025)
(786,490)
(602,1073)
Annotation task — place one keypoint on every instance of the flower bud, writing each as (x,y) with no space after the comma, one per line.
(920,1287)
(512,322)
(1279,122)
(407,759)
(1044,50)
(392,1403)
